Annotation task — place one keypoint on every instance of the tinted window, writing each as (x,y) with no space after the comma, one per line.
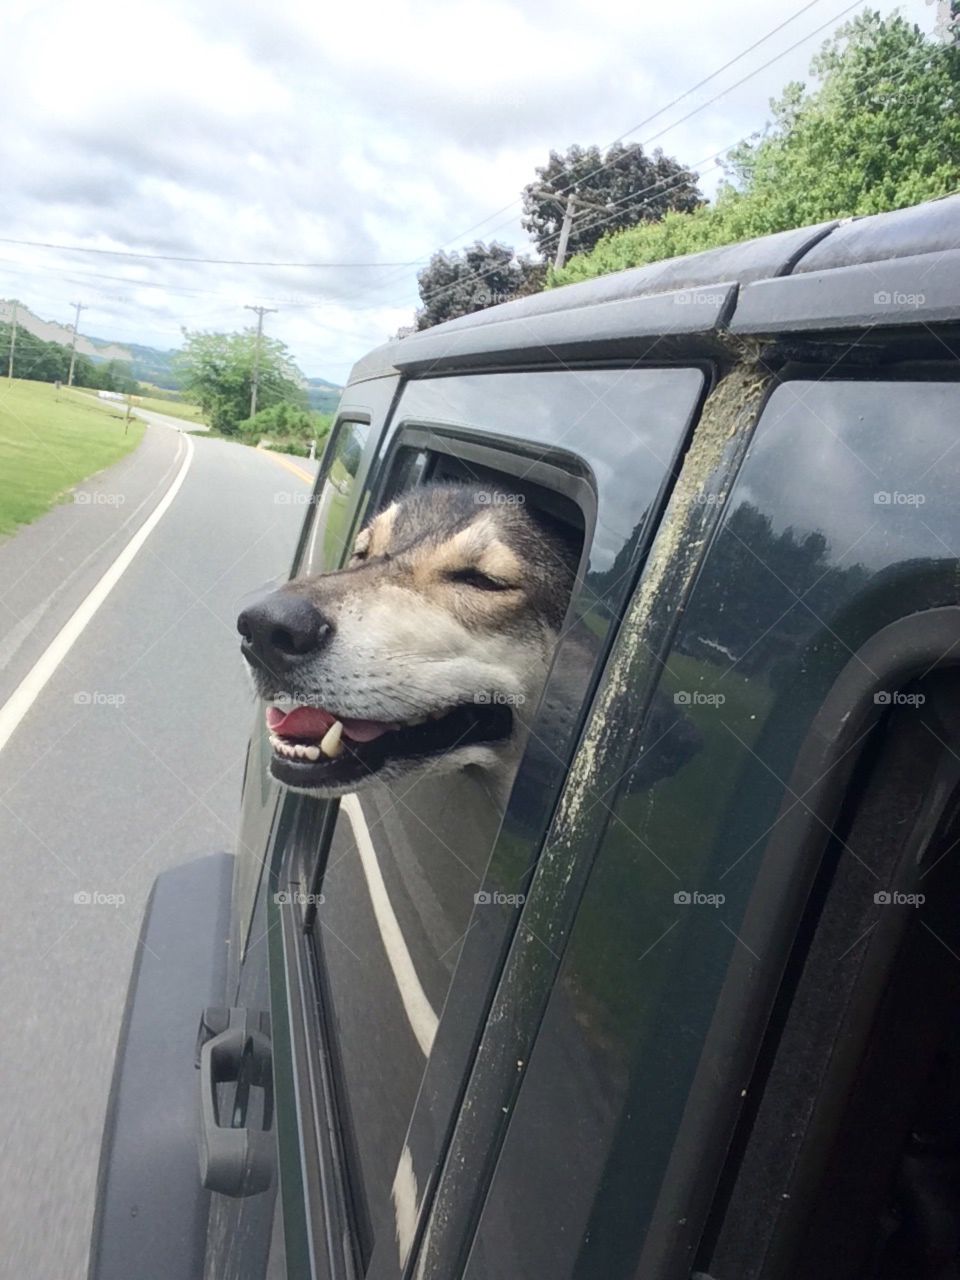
(842,520)
(416,913)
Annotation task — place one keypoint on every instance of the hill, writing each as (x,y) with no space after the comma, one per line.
(322,395)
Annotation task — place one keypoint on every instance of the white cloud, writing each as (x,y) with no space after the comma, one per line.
(360,132)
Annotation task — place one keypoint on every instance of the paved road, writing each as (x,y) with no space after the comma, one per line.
(128,762)
(154,419)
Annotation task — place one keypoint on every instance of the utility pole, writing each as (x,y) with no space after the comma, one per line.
(569,214)
(565,229)
(73,346)
(13,339)
(261,312)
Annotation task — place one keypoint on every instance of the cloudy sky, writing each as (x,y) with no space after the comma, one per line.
(365,134)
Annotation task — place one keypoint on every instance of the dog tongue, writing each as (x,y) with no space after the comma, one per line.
(313,722)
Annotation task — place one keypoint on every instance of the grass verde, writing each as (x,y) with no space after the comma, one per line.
(49,442)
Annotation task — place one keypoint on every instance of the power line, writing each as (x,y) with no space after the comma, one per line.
(641,191)
(672,103)
(217,262)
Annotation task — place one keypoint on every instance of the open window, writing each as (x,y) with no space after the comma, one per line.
(413,894)
(402,885)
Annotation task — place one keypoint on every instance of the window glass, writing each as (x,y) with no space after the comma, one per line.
(842,520)
(406,886)
(327,534)
(332,521)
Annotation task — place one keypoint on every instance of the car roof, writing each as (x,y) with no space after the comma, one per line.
(829,275)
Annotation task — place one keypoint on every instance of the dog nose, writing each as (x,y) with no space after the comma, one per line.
(283,626)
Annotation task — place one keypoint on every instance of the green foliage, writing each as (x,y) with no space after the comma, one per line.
(216,370)
(459,283)
(638,187)
(879,131)
(42,361)
(287,427)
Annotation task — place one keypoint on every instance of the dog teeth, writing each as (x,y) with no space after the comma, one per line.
(312,753)
(330,744)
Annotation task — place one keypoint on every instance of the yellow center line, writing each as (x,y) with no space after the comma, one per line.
(285,462)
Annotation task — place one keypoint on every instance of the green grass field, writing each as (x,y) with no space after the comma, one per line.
(172,408)
(49,444)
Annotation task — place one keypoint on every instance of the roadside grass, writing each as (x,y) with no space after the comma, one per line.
(172,408)
(49,443)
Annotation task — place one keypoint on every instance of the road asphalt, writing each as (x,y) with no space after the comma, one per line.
(129,761)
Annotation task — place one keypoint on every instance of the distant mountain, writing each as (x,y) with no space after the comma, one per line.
(322,395)
(53,331)
(150,364)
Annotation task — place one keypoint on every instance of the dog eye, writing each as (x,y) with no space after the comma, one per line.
(480,581)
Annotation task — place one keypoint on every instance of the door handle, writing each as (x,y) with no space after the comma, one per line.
(236,1159)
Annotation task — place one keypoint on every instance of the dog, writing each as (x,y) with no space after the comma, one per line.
(429,650)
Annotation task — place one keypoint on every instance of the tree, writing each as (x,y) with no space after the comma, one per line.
(638,187)
(879,130)
(458,283)
(217,372)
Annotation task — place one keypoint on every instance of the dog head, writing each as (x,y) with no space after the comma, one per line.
(428,650)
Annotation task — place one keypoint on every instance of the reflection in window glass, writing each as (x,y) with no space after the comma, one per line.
(332,523)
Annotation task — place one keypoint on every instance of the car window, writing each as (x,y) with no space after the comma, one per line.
(413,912)
(842,520)
(327,532)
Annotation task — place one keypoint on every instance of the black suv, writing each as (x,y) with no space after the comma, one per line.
(690,1005)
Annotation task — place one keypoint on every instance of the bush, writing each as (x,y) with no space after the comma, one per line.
(286,427)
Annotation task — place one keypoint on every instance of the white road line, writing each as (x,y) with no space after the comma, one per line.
(32,684)
(420,1013)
